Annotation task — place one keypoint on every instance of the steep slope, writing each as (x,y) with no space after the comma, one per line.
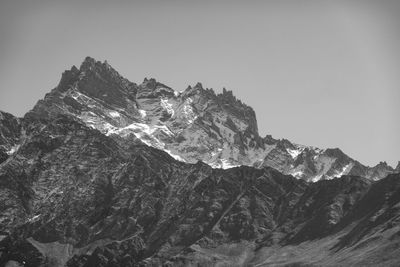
(195,124)
(192,125)
(69,191)
(10,132)
(89,177)
(73,196)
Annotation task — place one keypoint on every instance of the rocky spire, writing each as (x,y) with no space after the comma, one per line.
(88,64)
(68,78)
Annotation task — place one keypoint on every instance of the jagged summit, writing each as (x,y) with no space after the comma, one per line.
(151,88)
(199,85)
(152,83)
(192,125)
(88,63)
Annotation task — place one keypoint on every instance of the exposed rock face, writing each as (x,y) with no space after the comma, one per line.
(195,124)
(90,178)
(10,132)
(397,170)
(71,195)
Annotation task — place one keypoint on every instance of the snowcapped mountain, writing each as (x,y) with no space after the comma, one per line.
(191,125)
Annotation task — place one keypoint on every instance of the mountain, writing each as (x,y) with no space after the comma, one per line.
(195,124)
(72,196)
(105,172)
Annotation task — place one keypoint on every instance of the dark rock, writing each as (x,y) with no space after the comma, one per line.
(78,188)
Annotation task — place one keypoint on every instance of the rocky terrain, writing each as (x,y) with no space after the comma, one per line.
(10,131)
(104,172)
(195,124)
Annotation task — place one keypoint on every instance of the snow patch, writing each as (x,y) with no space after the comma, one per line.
(222,164)
(316,178)
(188,111)
(145,133)
(12,150)
(298,174)
(167,106)
(142,113)
(140,128)
(225,164)
(346,169)
(114,114)
(294,152)
(177,157)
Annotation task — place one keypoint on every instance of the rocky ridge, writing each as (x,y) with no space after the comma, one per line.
(72,196)
(195,124)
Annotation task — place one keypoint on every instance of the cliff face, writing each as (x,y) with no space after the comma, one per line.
(10,132)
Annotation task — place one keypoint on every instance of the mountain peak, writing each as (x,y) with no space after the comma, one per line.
(88,63)
(91,65)
(151,88)
(198,85)
(227,93)
(197,124)
(150,83)
(382,163)
(68,78)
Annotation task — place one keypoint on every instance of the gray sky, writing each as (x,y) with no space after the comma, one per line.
(321,73)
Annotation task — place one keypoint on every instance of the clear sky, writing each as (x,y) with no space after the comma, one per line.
(321,73)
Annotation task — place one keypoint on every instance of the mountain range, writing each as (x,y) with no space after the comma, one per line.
(106,172)
(195,124)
